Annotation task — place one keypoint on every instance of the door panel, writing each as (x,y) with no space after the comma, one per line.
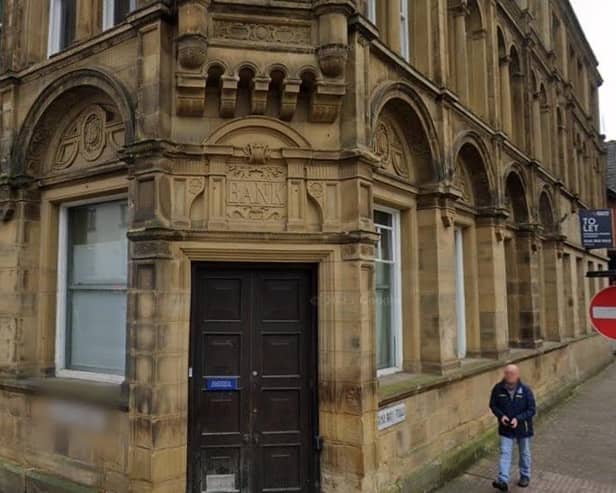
(253,394)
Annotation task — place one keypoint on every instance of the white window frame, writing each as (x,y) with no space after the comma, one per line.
(55,19)
(371,10)
(405,47)
(109,12)
(461,335)
(61,296)
(396,291)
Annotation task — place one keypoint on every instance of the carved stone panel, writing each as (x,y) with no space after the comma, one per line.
(256,193)
(262,31)
(93,136)
(388,146)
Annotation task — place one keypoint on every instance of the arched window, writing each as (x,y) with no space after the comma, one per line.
(476,41)
(516,82)
(504,82)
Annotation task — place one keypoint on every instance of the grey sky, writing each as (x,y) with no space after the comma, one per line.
(597,18)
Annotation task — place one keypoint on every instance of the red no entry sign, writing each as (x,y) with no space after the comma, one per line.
(603,312)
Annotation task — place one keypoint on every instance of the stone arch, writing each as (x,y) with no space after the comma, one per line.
(412,125)
(272,132)
(73,90)
(515,194)
(546,212)
(472,162)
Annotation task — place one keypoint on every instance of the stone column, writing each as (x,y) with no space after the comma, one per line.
(461,60)
(553,296)
(348,398)
(528,289)
(505,95)
(492,288)
(158,339)
(19,271)
(435,221)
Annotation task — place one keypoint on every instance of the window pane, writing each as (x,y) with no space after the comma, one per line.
(98,326)
(98,244)
(385,246)
(382,218)
(384,350)
(67,23)
(97,278)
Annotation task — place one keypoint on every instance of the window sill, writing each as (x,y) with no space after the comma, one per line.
(396,387)
(104,394)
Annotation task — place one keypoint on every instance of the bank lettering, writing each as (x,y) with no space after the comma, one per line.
(261,193)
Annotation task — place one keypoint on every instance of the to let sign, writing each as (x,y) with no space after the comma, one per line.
(603,312)
(597,228)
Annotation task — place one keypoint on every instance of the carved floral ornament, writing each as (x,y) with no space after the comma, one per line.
(388,146)
(264,32)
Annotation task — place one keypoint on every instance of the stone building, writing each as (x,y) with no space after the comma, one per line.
(286,244)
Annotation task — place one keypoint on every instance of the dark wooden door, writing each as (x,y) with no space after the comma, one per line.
(253,403)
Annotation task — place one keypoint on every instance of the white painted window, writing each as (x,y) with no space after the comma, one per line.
(62,19)
(405,49)
(371,10)
(115,11)
(460,293)
(91,298)
(387,298)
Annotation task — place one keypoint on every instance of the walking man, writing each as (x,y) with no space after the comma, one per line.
(513,404)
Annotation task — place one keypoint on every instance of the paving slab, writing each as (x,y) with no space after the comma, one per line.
(574,450)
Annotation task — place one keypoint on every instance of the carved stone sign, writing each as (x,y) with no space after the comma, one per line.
(256,192)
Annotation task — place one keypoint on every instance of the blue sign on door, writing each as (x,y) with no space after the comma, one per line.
(597,228)
(221,383)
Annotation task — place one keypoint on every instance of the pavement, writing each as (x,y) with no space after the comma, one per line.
(574,449)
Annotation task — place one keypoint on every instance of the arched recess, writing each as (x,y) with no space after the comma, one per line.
(516,83)
(521,266)
(473,252)
(473,173)
(85,112)
(403,134)
(476,42)
(515,196)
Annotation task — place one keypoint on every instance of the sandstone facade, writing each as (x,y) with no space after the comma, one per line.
(270,132)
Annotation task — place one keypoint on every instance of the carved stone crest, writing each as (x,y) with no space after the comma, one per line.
(388,146)
(93,134)
(257,153)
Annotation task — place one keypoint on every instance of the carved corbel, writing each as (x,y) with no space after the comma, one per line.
(326,102)
(289,98)
(333,36)
(228,95)
(190,94)
(260,88)
(7,211)
(448,216)
(192,46)
(332,59)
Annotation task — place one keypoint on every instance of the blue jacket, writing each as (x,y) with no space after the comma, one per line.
(522,407)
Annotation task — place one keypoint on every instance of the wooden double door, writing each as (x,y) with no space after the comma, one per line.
(253,390)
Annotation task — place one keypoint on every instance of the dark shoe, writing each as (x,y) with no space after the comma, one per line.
(523,482)
(500,485)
